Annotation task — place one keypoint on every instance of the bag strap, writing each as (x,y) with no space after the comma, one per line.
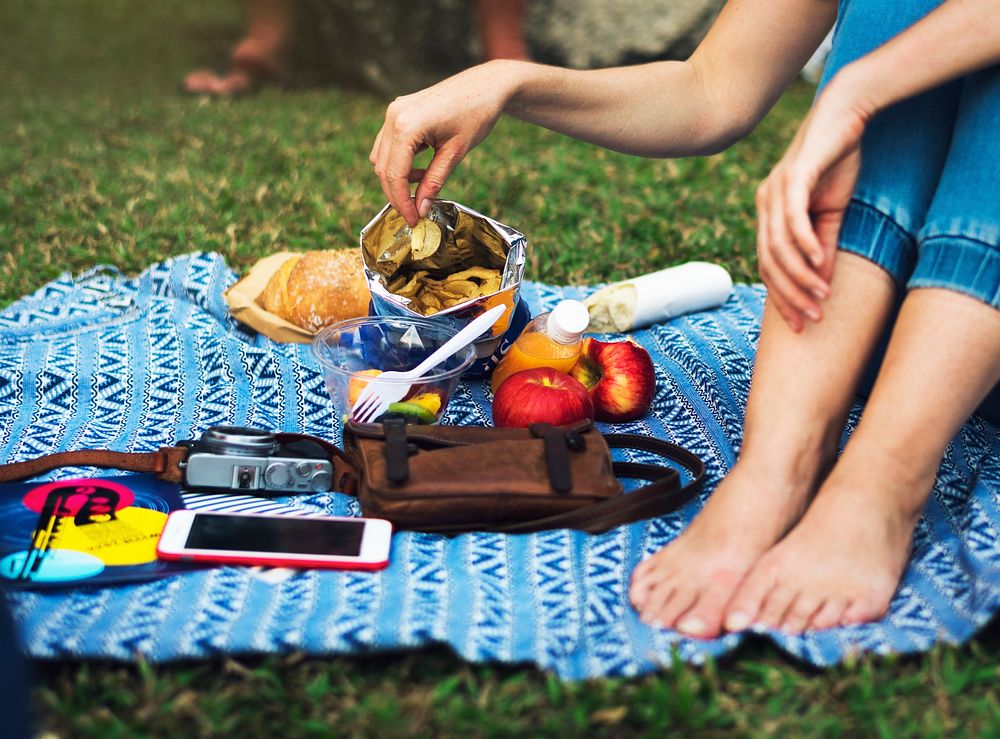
(662,495)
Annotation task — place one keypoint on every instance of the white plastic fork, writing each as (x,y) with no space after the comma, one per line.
(378,395)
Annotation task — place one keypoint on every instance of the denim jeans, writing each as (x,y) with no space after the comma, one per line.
(926,207)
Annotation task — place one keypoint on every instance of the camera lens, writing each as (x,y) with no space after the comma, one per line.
(240,440)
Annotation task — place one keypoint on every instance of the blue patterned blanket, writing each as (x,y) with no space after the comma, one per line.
(133,364)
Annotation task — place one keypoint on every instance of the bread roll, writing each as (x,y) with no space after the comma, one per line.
(318,288)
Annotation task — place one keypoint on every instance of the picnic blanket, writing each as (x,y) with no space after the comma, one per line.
(136,363)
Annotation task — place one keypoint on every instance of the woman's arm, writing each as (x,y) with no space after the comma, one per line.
(801,203)
(702,105)
(959,37)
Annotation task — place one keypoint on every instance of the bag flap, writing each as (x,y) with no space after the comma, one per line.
(452,435)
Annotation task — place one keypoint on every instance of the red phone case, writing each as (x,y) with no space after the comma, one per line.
(270,561)
(264,560)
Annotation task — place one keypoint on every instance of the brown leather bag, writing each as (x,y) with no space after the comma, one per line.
(451,479)
(454,479)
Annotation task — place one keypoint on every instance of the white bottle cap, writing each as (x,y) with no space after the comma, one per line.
(567,322)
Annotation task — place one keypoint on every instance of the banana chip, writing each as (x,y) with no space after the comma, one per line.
(412,286)
(425,240)
(460,288)
(481,273)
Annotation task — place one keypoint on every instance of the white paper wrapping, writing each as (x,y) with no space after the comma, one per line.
(658,296)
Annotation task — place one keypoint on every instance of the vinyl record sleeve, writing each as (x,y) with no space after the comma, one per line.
(85,531)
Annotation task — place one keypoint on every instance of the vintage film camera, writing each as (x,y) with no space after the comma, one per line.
(249,460)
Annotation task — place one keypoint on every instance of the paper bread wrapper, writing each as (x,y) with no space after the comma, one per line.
(242,301)
(658,296)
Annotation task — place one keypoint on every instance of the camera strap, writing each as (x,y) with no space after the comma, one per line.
(167,463)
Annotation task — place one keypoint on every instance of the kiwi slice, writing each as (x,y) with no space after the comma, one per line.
(412,412)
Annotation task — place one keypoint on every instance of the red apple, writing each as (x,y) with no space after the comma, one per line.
(619,376)
(541,395)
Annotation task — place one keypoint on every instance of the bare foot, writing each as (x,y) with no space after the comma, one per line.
(688,583)
(842,563)
(251,65)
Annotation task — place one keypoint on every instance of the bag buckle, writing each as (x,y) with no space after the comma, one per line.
(397,451)
(558,442)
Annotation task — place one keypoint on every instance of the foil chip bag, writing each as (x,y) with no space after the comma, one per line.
(452,266)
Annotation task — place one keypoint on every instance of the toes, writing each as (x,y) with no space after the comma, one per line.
(775,606)
(800,613)
(704,619)
(746,605)
(663,613)
(864,610)
(828,614)
(236,82)
(200,81)
(651,593)
(645,577)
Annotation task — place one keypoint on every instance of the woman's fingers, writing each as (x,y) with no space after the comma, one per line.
(772,278)
(373,155)
(797,219)
(808,286)
(395,178)
(392,159)
(789,247)
(379,157)
(789,274)
(445,159)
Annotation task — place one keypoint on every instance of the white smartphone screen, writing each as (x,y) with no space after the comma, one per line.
(276,534)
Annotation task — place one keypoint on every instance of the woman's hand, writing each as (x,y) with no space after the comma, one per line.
(451,118)
(800,205)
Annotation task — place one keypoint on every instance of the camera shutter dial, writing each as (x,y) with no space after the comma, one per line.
(321,481)
(277,475)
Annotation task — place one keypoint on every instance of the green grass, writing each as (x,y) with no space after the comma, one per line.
(102,161)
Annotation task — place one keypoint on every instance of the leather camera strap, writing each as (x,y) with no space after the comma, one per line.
(165,464)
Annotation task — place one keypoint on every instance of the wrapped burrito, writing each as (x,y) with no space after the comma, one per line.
(658,296)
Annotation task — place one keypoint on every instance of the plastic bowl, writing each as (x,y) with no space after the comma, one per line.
(349,353)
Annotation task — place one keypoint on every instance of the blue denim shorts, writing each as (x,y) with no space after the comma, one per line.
(926,207)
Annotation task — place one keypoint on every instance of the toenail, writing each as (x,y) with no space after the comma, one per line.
(693,626)
(737,622)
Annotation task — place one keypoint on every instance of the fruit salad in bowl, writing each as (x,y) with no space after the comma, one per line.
(352,353)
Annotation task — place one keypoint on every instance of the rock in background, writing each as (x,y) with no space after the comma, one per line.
(606,33)
(398,46)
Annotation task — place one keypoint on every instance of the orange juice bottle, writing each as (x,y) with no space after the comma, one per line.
(550,340)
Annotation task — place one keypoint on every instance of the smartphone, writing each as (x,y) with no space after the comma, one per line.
(275,540)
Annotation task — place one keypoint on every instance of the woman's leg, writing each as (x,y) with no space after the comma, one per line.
(259,56)
(501,29)
(801,392)
(842,563)
(803,384)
